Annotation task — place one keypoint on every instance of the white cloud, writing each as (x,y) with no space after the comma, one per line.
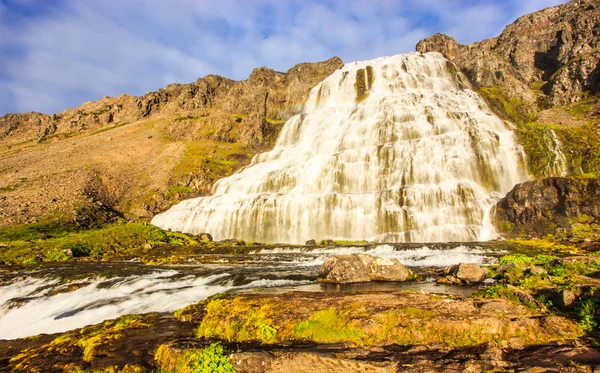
(85,50)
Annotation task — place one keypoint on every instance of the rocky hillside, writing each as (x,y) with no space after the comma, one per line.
(135,156)
(543,74)
(556,50)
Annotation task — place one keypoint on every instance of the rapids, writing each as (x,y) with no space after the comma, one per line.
(66,296)
(396,149)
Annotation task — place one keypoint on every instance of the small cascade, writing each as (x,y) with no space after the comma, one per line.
(396,149)
(558,161)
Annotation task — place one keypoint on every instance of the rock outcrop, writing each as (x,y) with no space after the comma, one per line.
(557,49)
(537,208)
(353,268)
(236,111)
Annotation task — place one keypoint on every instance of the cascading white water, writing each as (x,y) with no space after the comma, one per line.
(394,149)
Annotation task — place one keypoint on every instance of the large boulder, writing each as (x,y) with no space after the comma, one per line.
(464,273)
(362,268)
(341,269)
(386,269)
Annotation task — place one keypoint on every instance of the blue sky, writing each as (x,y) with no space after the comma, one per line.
(57,54)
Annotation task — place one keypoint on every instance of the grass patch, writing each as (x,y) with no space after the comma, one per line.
(105,129)
(54,242)
(211,359)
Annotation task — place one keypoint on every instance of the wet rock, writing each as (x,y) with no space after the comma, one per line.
(362,268)
(205,237)
(327,243)
(311,243)
(252,362)
(538,207)
(464,273)
(386,269)
(505,267)
(343,269)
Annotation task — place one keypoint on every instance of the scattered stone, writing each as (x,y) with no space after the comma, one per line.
(311,243)
(536,271)
(505,267)
(252,362)
(463,274)
(362,268)
(564,300)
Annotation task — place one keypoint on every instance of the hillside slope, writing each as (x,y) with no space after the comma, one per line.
(135,156)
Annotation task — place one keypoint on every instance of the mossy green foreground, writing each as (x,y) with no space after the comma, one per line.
(378,320)
(516,316)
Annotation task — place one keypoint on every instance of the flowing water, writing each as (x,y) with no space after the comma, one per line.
(63,297)
(396,149)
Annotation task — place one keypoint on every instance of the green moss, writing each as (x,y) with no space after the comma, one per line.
(329,326)
(211,359)
(52,240)
(511,109)
(588,312)
(521,259)
(237,321)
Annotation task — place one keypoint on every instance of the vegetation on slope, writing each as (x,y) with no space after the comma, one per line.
(576,126)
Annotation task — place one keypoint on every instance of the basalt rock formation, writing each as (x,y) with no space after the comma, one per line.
(135,156)
(556,50)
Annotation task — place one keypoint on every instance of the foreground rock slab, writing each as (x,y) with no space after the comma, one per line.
(379,319)
(318,332)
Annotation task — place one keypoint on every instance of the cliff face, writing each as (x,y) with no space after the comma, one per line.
(537,208)
(556,49)
(137,155)
(220,102)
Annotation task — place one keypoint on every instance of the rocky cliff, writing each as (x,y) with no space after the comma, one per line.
(543,75)
(137,155)
(556,50)
(550,205)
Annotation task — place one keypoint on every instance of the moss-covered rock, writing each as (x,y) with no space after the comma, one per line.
(376,319)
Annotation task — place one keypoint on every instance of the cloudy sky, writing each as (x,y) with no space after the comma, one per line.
(56,54)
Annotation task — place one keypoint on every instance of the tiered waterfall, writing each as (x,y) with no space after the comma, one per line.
(393,149)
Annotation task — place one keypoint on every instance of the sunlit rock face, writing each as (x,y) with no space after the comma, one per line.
(393,149)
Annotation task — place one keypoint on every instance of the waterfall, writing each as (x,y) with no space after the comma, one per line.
(396,149)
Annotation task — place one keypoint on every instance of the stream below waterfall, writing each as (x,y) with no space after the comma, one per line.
(63,296)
